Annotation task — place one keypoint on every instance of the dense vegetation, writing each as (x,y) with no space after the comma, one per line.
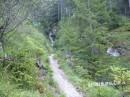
(83,40)
(85,31)
(22,46)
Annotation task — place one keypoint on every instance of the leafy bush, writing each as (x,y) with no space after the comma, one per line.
(103,92)
(22,67)
(11,90)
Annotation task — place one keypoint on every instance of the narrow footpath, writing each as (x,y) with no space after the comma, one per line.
(61,79)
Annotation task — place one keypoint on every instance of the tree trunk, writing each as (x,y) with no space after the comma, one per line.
(129,3)
(110,5)
(2,51)
(1,47)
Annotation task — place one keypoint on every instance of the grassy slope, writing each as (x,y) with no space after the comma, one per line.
(119,35)
(27,37)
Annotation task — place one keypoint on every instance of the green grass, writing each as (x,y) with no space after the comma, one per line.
(69,72)
(119,36)
(27,37)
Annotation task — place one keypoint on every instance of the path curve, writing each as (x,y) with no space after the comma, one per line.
(61,79)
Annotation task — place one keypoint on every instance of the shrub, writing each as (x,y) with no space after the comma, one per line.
(22,68)
(103,92)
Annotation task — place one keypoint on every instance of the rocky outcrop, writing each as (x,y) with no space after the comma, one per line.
(42,70)
(52,36)
(116,52)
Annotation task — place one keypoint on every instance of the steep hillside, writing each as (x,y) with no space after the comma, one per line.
(20,77)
